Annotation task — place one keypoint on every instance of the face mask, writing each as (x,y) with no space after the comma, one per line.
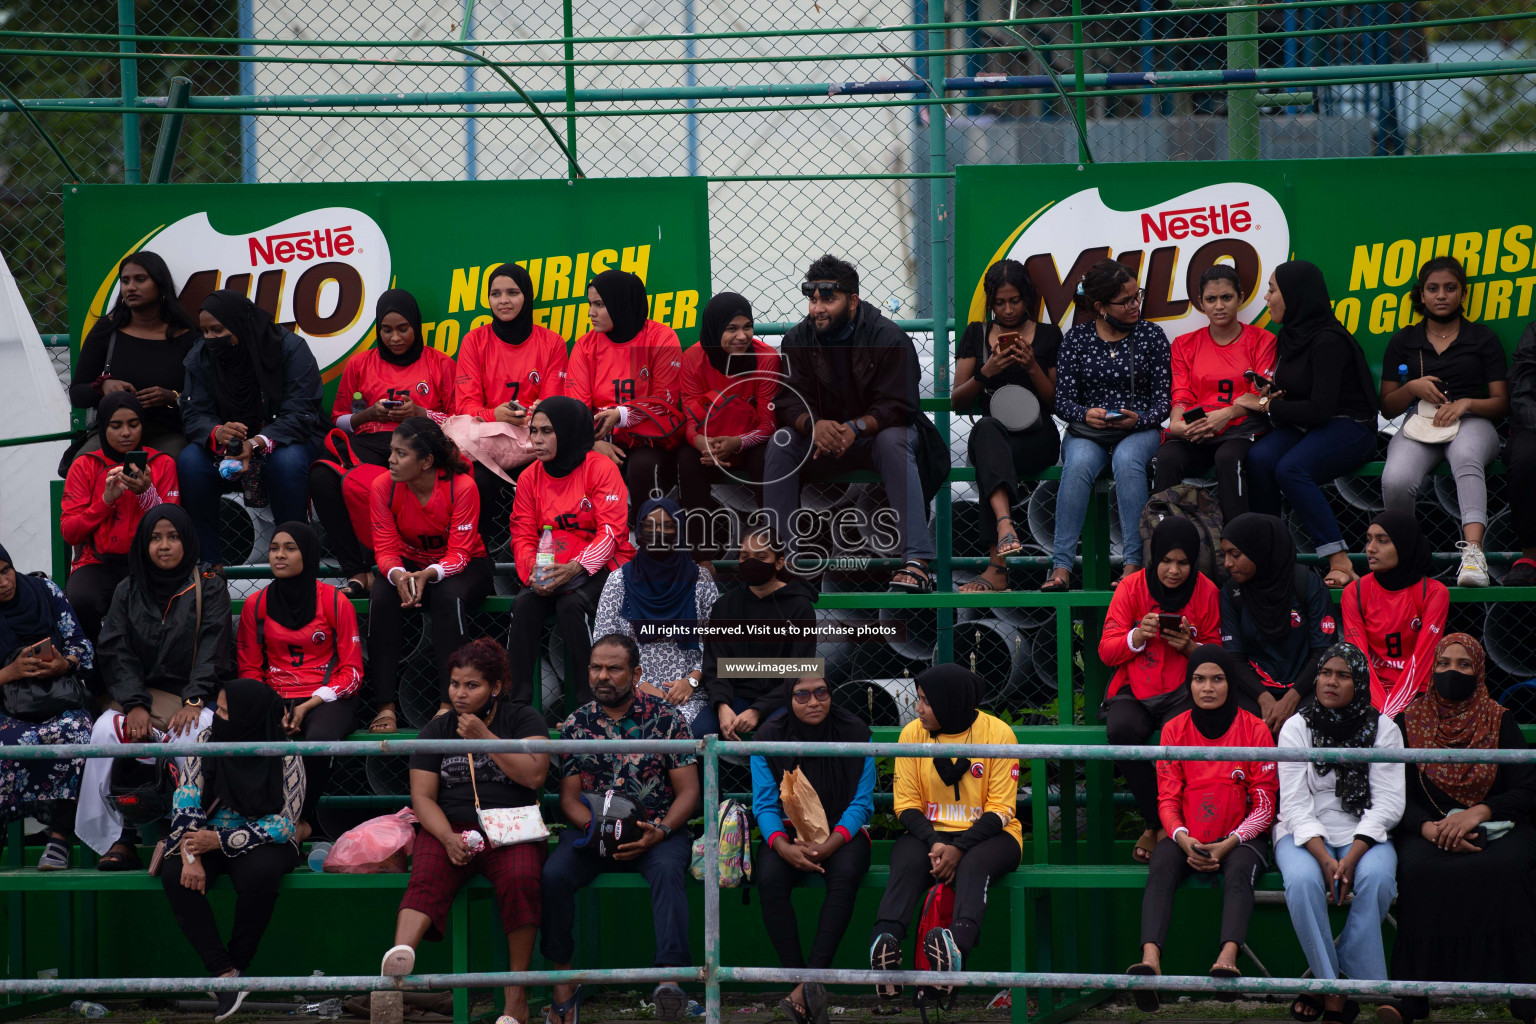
(1455,686)
(1120,325)
(655,542)
(755,572)
(1449,318)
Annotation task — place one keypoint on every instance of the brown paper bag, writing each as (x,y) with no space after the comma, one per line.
(803,807)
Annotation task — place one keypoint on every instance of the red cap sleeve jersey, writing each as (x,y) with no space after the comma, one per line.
(429,382)
(493,373)
(326,652)
(649,365)
(588,510)
(1214,799)
(1156,668)
(96,528)
(1210,376)
(443,532)
(1398,634)
(730,406)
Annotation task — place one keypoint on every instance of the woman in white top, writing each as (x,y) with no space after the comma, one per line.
(1332,837)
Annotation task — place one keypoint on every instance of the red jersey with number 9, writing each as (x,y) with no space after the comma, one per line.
(1210,376)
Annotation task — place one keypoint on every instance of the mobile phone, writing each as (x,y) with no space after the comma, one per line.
(1168,623)
(1194,415)
(139,460)
(391,403)
(515,406)
(1338,890)
(1114,417)
(413,586)
(1478,837)
(42,650)
(1010,340)
(1257,379)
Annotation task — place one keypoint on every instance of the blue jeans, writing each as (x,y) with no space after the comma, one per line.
(708,720)
(1358,953)
(1295,463)
(665,870)
(1082,462)
(286,473)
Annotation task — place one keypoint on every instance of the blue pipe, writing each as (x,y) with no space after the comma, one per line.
(471,125)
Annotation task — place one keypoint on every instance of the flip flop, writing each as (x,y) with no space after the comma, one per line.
(1145,845)
(1056,584)
(1223,971)
(795,1013)
(354,589)
(1308,1002)
(1008,544)
(377,725)
(816,1010)
(568,1012)
(1147,999)
(981,585)
(915,570)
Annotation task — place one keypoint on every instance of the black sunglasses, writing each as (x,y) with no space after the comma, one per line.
(825,289)
(821,693)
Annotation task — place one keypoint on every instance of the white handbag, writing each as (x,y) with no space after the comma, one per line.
(507,826)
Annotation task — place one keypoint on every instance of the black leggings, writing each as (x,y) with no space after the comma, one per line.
(89,590)
(496,509)
(1001,456)
(573,614)
(648,473)
(1170,866)
(333,720)
(1129,722)
(1177,459)
(979,867)
(256,874)
(775,879)
(449,601)
(704,519)
(353,552)
(1519,470)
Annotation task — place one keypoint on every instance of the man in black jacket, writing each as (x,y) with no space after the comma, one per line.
(1520,458)
(849,401)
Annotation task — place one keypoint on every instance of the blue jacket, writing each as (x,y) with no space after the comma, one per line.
(770,814)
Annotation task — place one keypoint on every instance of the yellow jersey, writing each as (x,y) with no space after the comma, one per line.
(990,785)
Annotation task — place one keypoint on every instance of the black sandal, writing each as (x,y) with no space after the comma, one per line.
(354,589)
(1309,1002)
(796,1014)
(120,858)
(1056,584)
(1147,999)
(918,571)
(1009,544)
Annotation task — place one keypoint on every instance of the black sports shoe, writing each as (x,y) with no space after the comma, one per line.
(943,953)
(1521,574)
(227,1004)
(885,955)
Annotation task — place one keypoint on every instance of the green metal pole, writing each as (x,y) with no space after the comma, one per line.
(170,132)
(1242,107)
(132,158)
(1078,71)
(572,171)
(938,226)
(60,569)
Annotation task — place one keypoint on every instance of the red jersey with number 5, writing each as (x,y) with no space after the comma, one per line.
(605,374)
(428,382)
(1210,376)
(326,651)
(492,372)
(443,532)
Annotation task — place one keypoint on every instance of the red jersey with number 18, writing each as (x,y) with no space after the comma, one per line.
(605,374)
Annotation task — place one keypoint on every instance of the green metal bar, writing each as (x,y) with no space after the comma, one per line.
(12,103)
(14,442)
(128,72)
(1242,111)
(1080,107)
(61,559)
(570,156)
(710,747)
(568,26)
(170,132)
(343,983)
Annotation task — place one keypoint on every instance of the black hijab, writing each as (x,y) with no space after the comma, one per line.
(1213,723)
(28,616)
(718,314)
(516,330)
(1414,555)
(156,584)
(245,373)
(573,433)
(291,601)
(624,295)
(398,300)
(1309,321)
(1353,725)
(836,779)
(1173,533)
(110,404)
(954,694)
(250,786)
(1269,546)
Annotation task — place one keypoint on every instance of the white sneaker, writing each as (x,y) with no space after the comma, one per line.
(1474,566)
(398,962)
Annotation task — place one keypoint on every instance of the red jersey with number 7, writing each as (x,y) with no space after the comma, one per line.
(492,372)
(297,663)
(443,532)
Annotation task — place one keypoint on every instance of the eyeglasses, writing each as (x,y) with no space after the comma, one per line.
(1134,300)
(820,694)
(824,289)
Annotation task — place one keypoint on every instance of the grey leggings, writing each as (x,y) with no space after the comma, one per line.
(1408,464)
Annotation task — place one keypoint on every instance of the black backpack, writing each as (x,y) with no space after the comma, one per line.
(1198,506)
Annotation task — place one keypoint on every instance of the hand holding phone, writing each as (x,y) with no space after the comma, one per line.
(1169,622)
(1009,340)
(136,461)
(1113,416)
(391,403)
(1257,379)
(1194,415)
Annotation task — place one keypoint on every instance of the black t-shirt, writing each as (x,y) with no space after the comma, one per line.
(1473,360)
(454,795)
(973,345)
(142,362)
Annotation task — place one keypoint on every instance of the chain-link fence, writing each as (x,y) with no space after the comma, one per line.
(812,121)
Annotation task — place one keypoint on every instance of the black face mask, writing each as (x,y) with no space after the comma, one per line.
(1449,318)
(1455,686)
(755,572)
(1120,325)
(655,542)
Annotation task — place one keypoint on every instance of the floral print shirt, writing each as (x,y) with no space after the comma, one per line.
(642,777)
(1135,373)
(75,644)
(237,833)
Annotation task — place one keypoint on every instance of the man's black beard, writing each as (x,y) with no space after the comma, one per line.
(836,327)
(620,702)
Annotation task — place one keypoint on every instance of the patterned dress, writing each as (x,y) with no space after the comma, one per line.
(661,661)
(237,833)
(25,784)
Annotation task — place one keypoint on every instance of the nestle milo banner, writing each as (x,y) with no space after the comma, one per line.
(318,256)
(1368,223)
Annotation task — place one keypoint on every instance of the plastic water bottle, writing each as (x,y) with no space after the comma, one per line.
(93,1011)
(358,405)
(1402,373)
(545,558)
(230,466)
(254,486)
(317,855)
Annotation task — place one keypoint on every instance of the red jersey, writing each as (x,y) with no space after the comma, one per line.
(588,510)
(492,372)
(730,406)
(605,374)
(324,658)
(1214,799)
(441,533)
(428,382)
(1398,631)
(101,529)
(1210,376)
(1156,668)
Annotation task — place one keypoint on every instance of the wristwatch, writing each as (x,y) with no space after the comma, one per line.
(856,424)
(193,702)
(664,829)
